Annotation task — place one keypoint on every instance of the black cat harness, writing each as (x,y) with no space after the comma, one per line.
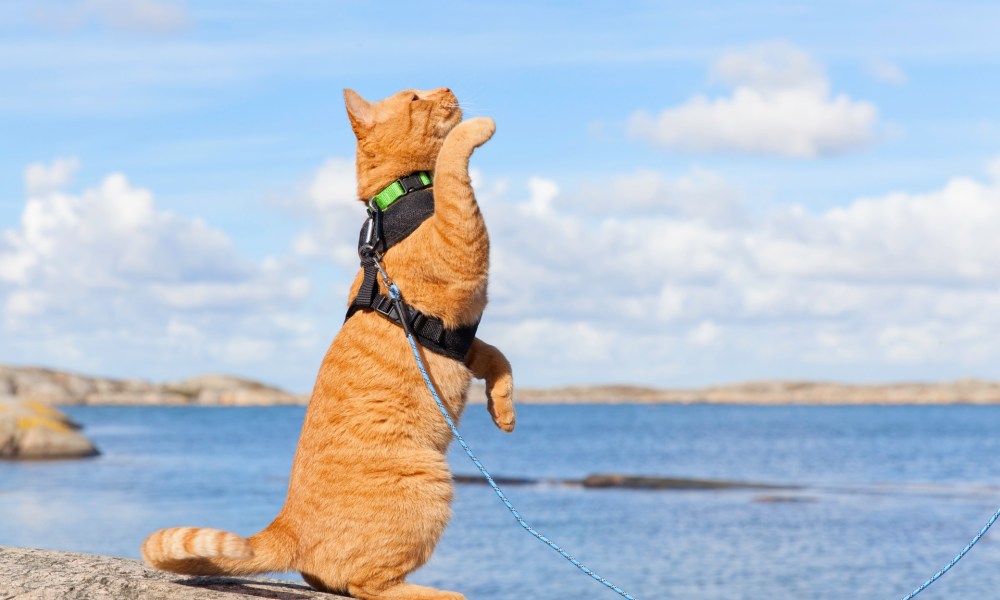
(393,214)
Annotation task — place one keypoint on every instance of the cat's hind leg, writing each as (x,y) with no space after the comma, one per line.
(318,584)
(400,591)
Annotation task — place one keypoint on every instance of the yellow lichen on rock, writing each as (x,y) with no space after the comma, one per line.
(39,421)
(33,430)
(50,412)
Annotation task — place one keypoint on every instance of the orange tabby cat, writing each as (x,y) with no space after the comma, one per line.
(370,488)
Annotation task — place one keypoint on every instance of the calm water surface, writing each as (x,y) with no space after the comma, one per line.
(889,495)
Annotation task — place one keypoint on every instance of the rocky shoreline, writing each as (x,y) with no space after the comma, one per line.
(67,389)
(962,391)
(62,388)
(46,574)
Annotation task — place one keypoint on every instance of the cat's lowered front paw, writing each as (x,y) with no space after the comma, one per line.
(500,401)
(473,132)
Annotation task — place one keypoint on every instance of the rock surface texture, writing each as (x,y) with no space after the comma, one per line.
(30,429)
(48,575)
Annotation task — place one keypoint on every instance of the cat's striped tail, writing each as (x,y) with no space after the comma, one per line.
(201,551)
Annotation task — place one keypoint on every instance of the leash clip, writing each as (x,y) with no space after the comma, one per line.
(373,233)
(381,271)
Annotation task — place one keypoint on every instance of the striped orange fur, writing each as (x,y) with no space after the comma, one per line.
(193,542)
(370,489)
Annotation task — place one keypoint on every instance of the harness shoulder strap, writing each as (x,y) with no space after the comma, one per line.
(389,227)
(433,335)
(381,231)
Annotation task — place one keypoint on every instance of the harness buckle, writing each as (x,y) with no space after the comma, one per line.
(411,183)
(385,306)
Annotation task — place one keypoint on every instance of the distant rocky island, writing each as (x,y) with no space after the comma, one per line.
(69,389)
(962,391)
(66,389)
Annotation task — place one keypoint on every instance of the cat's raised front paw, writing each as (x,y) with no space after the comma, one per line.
(474,132)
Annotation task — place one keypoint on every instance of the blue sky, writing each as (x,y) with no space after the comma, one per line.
(677,195)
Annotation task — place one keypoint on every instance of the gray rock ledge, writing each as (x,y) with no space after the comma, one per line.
(27,574)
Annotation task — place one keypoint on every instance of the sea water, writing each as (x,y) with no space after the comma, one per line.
(884,497)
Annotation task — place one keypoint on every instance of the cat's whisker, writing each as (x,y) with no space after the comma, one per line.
(471,109)
(471,101)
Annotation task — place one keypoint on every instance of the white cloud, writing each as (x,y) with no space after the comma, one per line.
(543,191)
(242,349)
(331,204)
(105,278)
(700,194)
(40,178)
(705,333)
(771,67)
(911,344)
(943,236)
(110,236)
(546,339)
(902,285)
(993,169)
(638,277)
(127,15)
(780,104)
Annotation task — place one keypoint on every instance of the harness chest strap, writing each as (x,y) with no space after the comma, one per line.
(389,222)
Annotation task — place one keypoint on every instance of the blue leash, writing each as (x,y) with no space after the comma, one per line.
(957,558)
(397,298)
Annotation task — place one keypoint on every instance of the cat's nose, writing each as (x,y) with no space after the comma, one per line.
(446,90)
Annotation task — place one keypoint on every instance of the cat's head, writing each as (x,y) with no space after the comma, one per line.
(400,134)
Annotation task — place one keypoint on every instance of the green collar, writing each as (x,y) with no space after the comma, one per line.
(399,188)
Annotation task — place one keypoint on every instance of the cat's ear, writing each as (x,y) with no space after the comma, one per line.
(359,111)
